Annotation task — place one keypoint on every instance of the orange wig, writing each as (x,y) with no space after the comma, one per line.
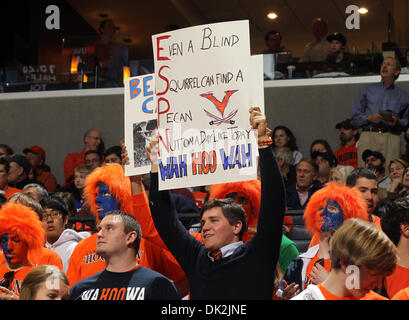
(250,189)
(350,201)
(113,176)
(23,221)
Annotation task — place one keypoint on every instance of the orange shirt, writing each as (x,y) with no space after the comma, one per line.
(153,253)
(48,179)
(397,280)
(402,295)
(347,156)
(200,198)
(45,256)
(48,256)
(10,191)
(19,276)
(371,295)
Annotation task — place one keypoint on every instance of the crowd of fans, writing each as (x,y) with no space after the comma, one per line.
(106,240)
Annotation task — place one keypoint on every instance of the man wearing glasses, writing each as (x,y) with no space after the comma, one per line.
(59,239)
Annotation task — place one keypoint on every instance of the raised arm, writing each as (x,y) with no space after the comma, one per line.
(272,207)
(180,243)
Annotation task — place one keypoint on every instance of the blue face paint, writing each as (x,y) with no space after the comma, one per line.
(333,216)
(105,201)
(4,240)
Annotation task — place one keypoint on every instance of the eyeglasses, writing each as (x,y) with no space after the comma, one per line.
(53,215)
(7,280)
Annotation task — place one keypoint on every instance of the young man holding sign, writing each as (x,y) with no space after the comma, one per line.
(215,268)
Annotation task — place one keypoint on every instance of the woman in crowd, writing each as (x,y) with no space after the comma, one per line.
(283,137)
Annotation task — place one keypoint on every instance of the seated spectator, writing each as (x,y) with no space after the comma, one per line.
(375,161)
(320,145)
(113,155)
(347,154)
(317,50)
(326,211)
(36,156)
(339,59)
(59,239)
(397,169)
(5,151)
(21,236)
(35,191)
(36,284)
(283,137)
(70,203)
(19,170)
(273,41)
(119,238)
(395,224)
(306,184)
(325,162)
(44,255)
(339,174)
(93,159)
(92,141)
(77,187)
(4,182)
(364,180)
(366,261)
(286,163)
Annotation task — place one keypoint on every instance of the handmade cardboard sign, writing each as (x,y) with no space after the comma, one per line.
(140,121)
(205,81)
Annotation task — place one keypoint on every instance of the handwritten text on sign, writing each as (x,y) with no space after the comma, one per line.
(202,90)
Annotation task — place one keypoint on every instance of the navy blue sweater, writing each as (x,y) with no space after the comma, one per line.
(249,272)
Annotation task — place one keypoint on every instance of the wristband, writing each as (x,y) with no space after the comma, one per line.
(266,142)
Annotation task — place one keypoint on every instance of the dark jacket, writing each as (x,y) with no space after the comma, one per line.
(293,201)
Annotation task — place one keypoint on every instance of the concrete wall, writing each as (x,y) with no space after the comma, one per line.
(57,120)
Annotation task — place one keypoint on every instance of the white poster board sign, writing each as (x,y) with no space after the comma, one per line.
(140,121)
(204,77)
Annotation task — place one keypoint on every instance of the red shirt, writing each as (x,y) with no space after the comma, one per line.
(347,156)
(10,191)
(72,161)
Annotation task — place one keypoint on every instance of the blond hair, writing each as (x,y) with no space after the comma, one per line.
(343,170)
(83,169)
(36,277)
(361,243)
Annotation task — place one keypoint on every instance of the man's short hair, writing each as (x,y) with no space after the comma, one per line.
(311,162)
(231,210)
(93,151)
(359,173)
(55,203)
(114,150)
(362,244)
(130,224)
(393,213)
(41,191)
(4,161)
(272,32)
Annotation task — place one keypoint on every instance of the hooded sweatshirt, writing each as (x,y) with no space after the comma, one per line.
(66,243)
